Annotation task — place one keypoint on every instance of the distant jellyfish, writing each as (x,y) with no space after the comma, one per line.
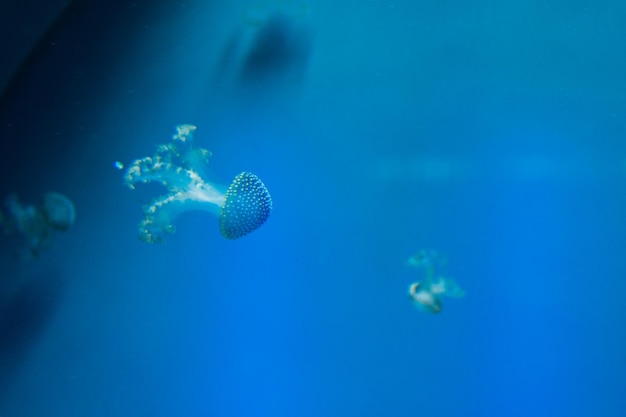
(58,211)
(36,224)
(426,294)
(269,50)
(279,52)
(241,207)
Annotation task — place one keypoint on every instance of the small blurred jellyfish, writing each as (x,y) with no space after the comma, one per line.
(426,294)
(279,52)
(241,208)
(269,49)
(36,224)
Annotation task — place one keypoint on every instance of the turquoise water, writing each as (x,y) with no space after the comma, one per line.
(491,133)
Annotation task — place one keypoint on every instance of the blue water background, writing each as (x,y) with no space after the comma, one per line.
(491,132)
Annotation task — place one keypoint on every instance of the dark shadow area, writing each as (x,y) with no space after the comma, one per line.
(24,316)
(50,91)
(54,95)
(33,17)
(58,53)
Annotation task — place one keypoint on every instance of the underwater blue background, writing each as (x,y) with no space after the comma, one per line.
(492,132)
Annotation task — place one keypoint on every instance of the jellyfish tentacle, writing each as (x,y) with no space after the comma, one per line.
(447,286)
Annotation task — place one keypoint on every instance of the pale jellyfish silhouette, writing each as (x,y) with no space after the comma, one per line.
(426,294)
(36,224)
(241,207)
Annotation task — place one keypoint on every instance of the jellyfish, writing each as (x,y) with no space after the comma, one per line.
(268,52)
(279,52)
(58,211)
(426,294)
(241,207)
(36,224)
